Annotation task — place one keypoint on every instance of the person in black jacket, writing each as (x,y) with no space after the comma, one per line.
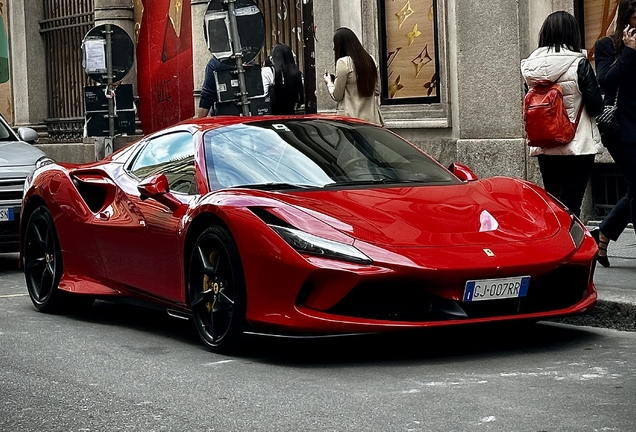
(615,58)
(209,96)
(288,92)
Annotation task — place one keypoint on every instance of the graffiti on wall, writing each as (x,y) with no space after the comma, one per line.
(164,62)
(5,79)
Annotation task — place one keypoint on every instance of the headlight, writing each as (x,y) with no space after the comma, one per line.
(577,232)
(310,244)
(44,160)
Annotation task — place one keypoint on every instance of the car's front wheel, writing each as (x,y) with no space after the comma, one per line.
(216,291)
(42,264)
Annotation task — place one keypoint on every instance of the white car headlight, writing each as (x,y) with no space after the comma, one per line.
(310,244)
(44,160)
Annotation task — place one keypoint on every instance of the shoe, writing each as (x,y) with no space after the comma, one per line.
(602,246)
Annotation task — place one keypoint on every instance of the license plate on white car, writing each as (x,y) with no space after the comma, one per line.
(7,214)
(494,289)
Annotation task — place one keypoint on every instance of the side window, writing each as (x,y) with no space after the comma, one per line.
(173,155)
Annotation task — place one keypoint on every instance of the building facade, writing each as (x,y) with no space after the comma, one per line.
(450,74)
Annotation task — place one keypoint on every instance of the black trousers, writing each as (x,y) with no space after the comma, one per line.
(624,154)
(566,178)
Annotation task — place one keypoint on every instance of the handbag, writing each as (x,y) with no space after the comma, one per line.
(606,121)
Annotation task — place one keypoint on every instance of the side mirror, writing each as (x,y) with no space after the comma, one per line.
(156,187)
(462,172)
(27,134)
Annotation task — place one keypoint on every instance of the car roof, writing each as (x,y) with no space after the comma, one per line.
(205,124)
(213,122)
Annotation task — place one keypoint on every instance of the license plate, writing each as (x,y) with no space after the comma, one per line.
(6,214)
(493,289)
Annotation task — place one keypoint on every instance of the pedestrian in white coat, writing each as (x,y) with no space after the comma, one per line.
(560,58)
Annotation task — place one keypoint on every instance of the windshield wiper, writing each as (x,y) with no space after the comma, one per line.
(385,181)
(274,186)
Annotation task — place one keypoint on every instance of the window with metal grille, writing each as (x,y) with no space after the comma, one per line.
(63,28)
(291,23)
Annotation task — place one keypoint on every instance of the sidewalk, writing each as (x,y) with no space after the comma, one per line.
(617,284)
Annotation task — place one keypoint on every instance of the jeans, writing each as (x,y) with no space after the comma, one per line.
(566,178)
(624,154)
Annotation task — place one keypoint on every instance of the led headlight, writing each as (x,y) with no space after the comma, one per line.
(577,232)
(44,160)
(310,244)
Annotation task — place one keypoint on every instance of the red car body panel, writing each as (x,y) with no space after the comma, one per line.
(435,235)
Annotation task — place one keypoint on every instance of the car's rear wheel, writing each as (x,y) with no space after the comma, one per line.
(42,263)
(216,291)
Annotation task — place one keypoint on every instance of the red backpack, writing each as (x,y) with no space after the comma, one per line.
(545,117)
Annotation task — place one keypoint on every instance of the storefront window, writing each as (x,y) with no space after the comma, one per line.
(410,65)
(598,17)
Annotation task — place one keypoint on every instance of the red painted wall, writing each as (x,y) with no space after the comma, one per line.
(164,62)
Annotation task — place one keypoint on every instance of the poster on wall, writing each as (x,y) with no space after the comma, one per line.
(164,62)
(411,61)
(5,79)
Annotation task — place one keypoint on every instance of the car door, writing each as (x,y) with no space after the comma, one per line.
(138,239)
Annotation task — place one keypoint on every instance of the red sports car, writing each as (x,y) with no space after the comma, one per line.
(299,226)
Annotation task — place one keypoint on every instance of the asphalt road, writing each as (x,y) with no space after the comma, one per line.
(122,367)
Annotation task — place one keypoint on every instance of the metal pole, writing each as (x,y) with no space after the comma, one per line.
(109,87)
(238,56)
(309,55)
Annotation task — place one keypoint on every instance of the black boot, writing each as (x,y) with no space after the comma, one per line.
(602,246)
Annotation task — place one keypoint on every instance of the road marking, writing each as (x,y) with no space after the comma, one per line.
(13,295)
(218,363)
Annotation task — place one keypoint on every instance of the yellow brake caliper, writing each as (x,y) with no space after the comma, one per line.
(209,283)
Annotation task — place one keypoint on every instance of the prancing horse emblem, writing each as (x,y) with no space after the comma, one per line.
(489,253)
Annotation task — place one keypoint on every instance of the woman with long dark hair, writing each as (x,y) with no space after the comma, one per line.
(356,84)
(560,58)
(286,93)
(615,58)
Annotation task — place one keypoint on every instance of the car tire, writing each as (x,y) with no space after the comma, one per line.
(216,291)
(43,266)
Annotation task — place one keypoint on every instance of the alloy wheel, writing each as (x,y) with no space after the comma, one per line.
(216,290)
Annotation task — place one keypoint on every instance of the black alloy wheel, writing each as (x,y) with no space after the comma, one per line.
(42,264)
(216,290)
(42,261)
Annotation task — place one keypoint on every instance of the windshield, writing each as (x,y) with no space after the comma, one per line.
(6,134)
(303,153)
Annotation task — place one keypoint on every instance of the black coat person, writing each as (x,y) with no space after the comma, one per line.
(287,93)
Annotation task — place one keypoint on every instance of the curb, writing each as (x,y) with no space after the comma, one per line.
(607,314)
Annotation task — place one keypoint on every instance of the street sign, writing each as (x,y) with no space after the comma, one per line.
(218,33)
(235,33)
(107,57)
(95,53)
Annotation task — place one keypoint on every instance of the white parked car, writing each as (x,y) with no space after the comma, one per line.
(18,159)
